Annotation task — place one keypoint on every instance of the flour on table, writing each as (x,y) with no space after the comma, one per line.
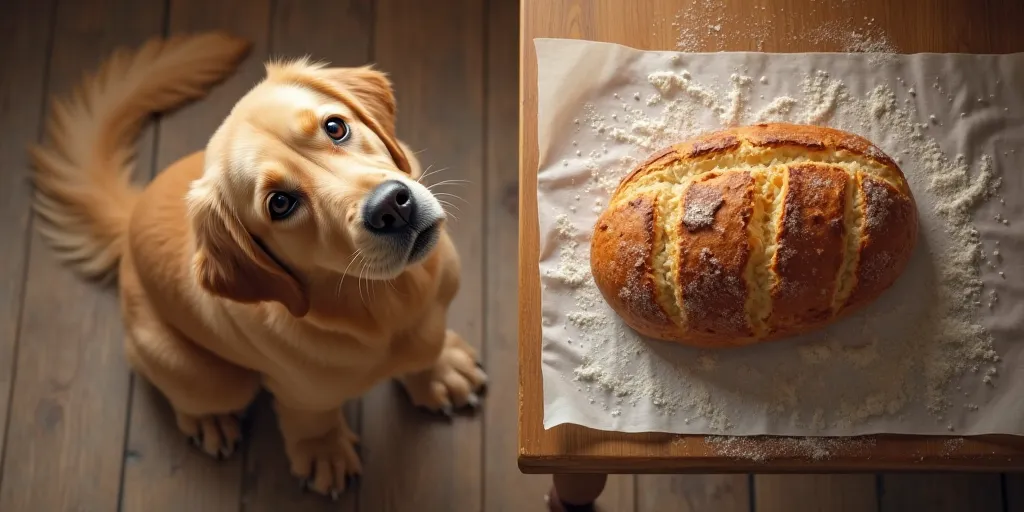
(814,448)
(704,25)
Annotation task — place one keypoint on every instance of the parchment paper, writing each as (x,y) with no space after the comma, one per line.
(609,378)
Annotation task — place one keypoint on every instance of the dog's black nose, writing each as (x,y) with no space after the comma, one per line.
(389,208)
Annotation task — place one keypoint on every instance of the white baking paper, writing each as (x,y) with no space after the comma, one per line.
(606,377)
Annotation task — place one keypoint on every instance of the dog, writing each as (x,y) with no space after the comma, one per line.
(298,253)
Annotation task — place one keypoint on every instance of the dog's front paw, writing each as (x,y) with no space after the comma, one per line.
(456,380)
(217,434)
(328,463)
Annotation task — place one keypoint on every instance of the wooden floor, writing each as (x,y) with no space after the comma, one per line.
(81,433)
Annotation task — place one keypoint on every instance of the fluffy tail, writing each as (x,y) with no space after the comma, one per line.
(82,178)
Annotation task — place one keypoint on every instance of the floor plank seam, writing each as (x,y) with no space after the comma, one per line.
(27,251)
(485,289)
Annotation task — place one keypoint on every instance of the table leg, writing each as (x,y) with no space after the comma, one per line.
(575,492)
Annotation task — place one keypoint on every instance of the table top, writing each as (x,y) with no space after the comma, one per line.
(909,26)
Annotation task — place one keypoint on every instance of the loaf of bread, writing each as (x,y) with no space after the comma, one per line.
(753,234)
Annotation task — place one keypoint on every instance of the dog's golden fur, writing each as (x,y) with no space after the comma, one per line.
(219,300)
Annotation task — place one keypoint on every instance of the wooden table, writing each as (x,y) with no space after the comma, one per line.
(569,451)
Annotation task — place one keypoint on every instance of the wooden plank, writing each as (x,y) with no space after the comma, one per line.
(340,33)
(947,492)
(26,30)
(1013,490)
(693,493)
(268,485)
(433,53)
(807,493)
(69,405)
(161,467)
(914,26)
(505,487)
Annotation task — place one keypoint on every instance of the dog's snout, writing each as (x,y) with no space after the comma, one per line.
(389,208)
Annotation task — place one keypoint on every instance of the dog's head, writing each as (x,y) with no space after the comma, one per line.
(305,177)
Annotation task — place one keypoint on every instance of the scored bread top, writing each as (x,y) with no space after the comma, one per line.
(753,233)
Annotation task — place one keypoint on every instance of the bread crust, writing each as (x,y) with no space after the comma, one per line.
(753,234)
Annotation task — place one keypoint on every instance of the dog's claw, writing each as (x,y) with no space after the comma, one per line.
(335,494)
(351,480)
(224,452)
(196,440)
(448,411)
(473,401)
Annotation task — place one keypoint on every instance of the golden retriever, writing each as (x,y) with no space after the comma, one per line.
(298,253)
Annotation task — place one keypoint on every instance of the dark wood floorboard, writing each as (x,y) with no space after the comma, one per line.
(948,492)
(693,493)
(26,31)
(1013,492)
(506,489)
(814,493)
(70,397)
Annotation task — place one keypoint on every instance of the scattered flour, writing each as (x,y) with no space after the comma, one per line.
(572,270)
(703,26)
(888,375)
(948,342)
(777,110)
(763,449)
(700,209)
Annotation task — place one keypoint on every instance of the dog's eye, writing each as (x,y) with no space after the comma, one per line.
(337,129)
(281,205)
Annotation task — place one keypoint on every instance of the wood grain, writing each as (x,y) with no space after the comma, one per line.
(69,404)
(433,52)
(941,493)
(1013,492)
(807,493)
(912,26)
(341,33)
(26,30)
(693,493)
(162,468)
(505,488)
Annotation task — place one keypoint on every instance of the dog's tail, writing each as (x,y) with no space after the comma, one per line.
(83,175)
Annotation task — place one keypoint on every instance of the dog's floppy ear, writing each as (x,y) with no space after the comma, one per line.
(372,90)
(229,263)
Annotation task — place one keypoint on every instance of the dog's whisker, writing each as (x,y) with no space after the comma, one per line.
(361,270)
(446,203)
(424,174)
(427,172)
(452,215)
(453,183)
(358,255)
(453,196)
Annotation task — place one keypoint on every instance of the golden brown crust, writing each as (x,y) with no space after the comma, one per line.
(838,185)
(713,253)
(810,245)
(890,225)
(621,253)
(770,135)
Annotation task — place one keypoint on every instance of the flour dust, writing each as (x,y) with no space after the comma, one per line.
(903,352)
